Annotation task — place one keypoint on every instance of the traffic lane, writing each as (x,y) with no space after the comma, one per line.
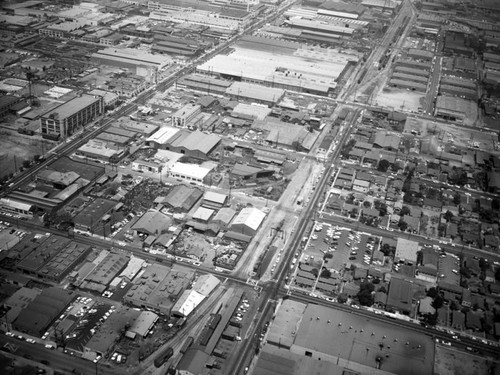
(56,359)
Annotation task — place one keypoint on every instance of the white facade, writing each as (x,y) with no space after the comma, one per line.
(190,173)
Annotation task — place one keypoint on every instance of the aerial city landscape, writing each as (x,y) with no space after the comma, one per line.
(262,187)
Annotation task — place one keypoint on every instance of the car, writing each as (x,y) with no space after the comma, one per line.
(447,343)
(31,341)
(45,362)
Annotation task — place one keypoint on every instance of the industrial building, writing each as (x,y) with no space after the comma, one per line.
(91,216)
(181,198)
(159,288)
(248,221)
(14,207)
(42,311)
(100,151)
(152,223)
(197,144)
(109,265)
(65,119)
(307,330)
(184,116)
(130,58)
(192,173)
(142,324)
(453,108)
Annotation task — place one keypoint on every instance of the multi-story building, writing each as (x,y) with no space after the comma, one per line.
(66,118)
(185,115)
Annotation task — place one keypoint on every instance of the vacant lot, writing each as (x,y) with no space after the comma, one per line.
(16,148)
(453,362)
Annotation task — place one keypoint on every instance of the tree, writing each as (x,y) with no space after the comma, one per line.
(430,319)
(383,165)
(453,305)
(432,292)
(457,199)
(495,204)
(483,264)
(326,273)
(438,302)
(405,211)
(402,225)
(342,298)
(448,215)
(387,249)
(365,295)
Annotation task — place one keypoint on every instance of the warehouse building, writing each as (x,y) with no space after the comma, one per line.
(410,63)
(152,223)
(159,288)
(214,200)
(14,207)
(65,119)
(160,138)
(191,173)
(36,318)
(409,70)
(91,216)
(248,221)
(420,54)
(109,266)
(143,324)
(455,109)
(100,151)
(130,58)
(181,198)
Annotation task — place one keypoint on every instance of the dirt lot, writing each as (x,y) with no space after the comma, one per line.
(452,362)
(399,99)
(17,148)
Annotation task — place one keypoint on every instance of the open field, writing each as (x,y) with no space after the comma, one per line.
(399,100)
(16,148)
(452,362)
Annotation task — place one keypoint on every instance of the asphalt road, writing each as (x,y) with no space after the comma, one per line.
(57,359)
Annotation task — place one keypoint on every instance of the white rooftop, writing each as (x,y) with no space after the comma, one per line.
(212,196)
(249,216)
(162,135)
(191,170)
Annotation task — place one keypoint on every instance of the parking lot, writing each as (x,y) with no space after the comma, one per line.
(87,316)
